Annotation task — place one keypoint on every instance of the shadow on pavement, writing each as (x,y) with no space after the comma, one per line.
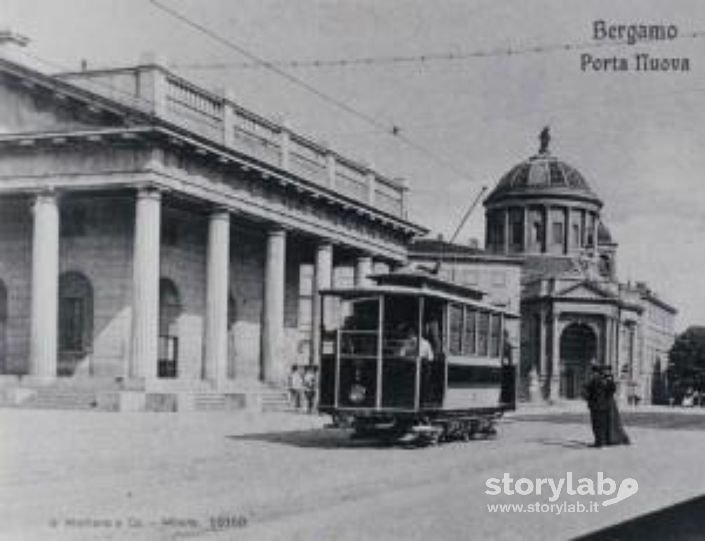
(335,438)
(320,438)
(682,521)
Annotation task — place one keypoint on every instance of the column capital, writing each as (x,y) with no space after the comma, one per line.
(325,243)
(149,191)
(277,231)
(49,195)
(219,212)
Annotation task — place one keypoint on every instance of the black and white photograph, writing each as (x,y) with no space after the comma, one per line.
(352,270)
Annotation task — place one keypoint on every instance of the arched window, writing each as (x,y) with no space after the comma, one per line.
(75,321)
(169,312)
(3,328)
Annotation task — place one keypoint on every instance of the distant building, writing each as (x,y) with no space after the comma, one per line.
(574,310)
(549,255)
(158,235)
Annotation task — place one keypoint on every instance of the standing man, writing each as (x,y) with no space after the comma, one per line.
(296,385)
(598,391)
(310,387)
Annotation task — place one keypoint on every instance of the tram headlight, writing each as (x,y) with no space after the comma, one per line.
(357,393)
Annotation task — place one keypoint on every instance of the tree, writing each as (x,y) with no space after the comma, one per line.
(686,365)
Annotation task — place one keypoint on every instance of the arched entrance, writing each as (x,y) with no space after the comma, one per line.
(578,347)
(169,311)
(3,328)
(75,322)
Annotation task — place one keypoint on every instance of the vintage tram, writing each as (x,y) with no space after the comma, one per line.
(414,357)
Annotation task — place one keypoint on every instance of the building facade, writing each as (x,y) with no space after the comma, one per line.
(574,310)
(158,235)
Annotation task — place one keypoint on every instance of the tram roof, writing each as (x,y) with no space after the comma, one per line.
(414,282)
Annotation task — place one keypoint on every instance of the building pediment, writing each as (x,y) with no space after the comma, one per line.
(585,290)
(36,103)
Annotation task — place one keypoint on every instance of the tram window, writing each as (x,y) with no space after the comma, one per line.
(469,344)
(455,329)
(494,335)
(401,316)
(483,331)
(433,324)
(360,315)
(359,325)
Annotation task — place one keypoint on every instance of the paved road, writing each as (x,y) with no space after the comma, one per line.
(90,475)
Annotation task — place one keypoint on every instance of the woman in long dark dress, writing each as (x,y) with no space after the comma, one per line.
(616,434)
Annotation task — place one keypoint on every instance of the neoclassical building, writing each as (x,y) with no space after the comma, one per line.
(162,242)
(574,310)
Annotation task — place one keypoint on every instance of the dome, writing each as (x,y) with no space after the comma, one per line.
(542,175)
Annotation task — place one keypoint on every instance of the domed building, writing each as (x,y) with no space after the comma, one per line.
(574,311)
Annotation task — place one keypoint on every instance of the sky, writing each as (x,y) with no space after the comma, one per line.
(637,137)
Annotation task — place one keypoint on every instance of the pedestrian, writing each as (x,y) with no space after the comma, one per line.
(616,435)
(597,394)
(296,385)
(309,383)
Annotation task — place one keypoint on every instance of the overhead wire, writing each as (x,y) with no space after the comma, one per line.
(391,129)
(421,58)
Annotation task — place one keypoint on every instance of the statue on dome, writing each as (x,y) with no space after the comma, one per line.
(545,138)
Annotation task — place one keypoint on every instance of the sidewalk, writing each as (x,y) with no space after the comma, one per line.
(579,406)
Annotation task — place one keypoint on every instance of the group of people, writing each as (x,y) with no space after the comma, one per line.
(599,393)
(302,386)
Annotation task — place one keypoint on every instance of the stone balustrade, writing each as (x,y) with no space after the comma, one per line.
(152,88)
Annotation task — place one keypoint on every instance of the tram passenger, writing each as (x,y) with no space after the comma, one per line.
(413,343)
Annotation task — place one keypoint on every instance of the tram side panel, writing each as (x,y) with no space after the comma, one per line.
(473,385)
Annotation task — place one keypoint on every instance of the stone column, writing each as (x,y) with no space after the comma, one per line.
(272,335)
(543,364)
(568,233)
(595,225)
(505,240)
(547,229)
(527,236)
(45,287)
(543,352)
(145,285)
(363,268)
(323,279)
(217,275)
(554,385)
